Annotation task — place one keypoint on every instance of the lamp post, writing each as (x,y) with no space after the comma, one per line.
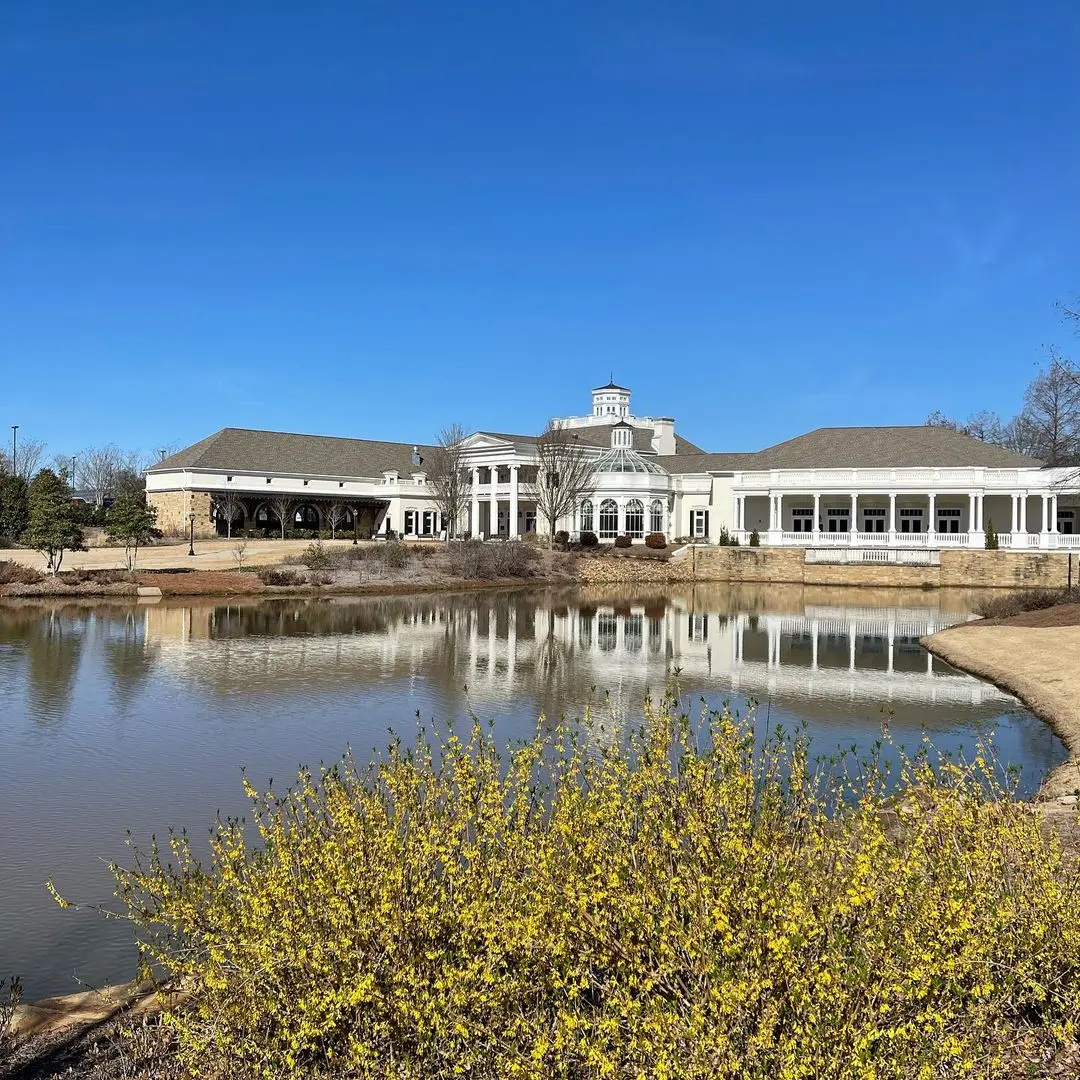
(191,541)
(72,472)
(14,467)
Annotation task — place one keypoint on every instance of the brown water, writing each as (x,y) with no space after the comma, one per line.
(116,717)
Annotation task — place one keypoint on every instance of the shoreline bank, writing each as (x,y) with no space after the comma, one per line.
(1040,665)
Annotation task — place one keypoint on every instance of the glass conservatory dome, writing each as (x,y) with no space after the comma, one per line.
(624,460)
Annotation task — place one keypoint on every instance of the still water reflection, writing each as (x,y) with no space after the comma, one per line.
(115,717)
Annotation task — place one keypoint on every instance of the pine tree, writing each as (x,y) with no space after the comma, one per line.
(991,535)
(53,527)
(14,509)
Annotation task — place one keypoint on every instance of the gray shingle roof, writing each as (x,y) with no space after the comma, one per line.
(279,452)
(888,448)
(861,447)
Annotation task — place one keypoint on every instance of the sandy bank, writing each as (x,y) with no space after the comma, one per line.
(1040,664)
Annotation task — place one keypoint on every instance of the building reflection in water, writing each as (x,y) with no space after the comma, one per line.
(553,649)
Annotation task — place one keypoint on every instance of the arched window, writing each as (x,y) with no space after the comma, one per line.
(656,516)
(586,516)
(635,519)
(609,520)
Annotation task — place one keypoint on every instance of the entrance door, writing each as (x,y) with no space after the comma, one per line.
(948,521)
(838,519)
(911,521)
(802,519)
(504,522)
(874,519)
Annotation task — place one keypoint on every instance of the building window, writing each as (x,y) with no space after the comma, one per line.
(268,479)
(633,632)
(305,483)
(635,518)
(228,479)
(609,520)
(341,483)
(586,516)
(802,519)
(412,522)
(698,628)
(1066,522)
(699,522)
(656,516)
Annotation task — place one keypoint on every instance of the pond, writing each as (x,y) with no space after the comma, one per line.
(117,716)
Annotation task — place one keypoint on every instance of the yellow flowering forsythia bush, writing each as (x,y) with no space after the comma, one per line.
(685,905)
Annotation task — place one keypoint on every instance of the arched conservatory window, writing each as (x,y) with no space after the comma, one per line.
(656,516)
(635,519)
(586,516)
(609,520)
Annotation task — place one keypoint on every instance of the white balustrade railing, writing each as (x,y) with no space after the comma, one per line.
(917,542)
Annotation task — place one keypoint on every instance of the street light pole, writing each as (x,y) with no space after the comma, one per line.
(14,467)
(191,541)
(72,472)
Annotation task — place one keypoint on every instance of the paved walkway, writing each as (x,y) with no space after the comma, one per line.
(209,555)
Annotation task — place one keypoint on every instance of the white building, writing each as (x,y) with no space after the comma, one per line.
(886,489)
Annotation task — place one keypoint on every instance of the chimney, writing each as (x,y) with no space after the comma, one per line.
(663,437)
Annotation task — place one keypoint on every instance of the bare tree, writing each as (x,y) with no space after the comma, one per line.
(1052,412)
(985,425)
(28,454)
(335,516)
(450,480)
(239,551)
(227,506)
(99,468)
(282,506)
(564,476)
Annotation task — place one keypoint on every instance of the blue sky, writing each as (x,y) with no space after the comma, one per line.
(374,218)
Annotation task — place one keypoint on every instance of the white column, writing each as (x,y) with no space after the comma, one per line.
(621,504)
(493,504)
(1045,513)
(1053,513)
(971,511)
(514,501)
(1023,513)
(931,526)
(474,519)
(817,513)
(980,511)
(854,512)
(892,512)
(1014,524)
(772,511)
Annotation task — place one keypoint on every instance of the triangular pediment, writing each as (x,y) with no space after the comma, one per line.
(481,440)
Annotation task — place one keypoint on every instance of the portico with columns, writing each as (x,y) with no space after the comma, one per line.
(785,511)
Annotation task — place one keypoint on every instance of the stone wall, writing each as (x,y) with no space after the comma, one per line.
(959,569)
(173,508)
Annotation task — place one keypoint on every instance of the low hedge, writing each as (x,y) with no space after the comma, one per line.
(679,903)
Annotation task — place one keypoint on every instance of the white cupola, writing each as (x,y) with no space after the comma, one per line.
(611,400)
(622,436)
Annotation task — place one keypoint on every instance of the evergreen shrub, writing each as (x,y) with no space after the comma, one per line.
(588,539)
(623,541)
(656,541)
(680,903)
